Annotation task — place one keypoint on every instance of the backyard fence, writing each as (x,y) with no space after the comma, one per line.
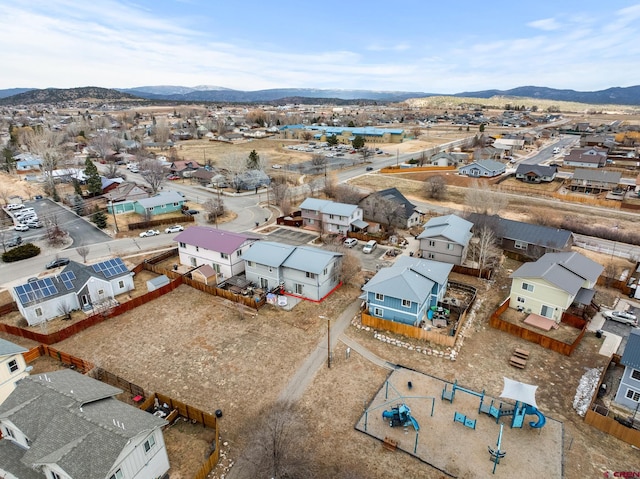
(115,380)
(141,225)
(8,308)
(67,360)
(532,336)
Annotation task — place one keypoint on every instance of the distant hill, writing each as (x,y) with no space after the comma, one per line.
(13,91)
(611,96)
(56,95)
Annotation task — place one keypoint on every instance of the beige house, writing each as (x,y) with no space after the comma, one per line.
(12,367)
(549,286)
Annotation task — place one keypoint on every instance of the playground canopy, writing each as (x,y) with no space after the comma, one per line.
(518,391)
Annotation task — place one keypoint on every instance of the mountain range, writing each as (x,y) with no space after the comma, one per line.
(206,93)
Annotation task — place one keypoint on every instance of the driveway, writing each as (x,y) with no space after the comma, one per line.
(290,236)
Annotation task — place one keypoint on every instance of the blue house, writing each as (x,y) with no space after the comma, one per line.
(628,394)
(405,291)
(483,168)
(163,202)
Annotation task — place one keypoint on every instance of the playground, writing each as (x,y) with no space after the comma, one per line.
(465,433)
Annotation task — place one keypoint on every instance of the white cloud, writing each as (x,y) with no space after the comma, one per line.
(547,24)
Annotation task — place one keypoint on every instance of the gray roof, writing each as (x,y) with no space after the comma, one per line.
(307,258)
(539,170)
(268,253)
(328,207)
(395,195)
(631,355)
(409,278)
(451,227)
(73,421)
(597,175)
(532,234)
(490,165)
(566,271)
(7,348)
(214,239)
(161,199)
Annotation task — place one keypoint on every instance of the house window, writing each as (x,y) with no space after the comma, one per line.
(633,395)
(520,244)
(224,255)
(117,475)
(546,311)
(431,255)
(149,443)
(183,245)
(406,303)
(298,288)
(378,312)
(635,374)
(432,243)
(527,287)
(379,297)
(324,271)
(9,432)
(311,275)
(250,264)
(449,246)
(520,299)
(13,366)
(121,284)
(176,204)
(38,312)
(100,292)
(54,475)
(197,248)
(239,252)
(150,209)
(330,217)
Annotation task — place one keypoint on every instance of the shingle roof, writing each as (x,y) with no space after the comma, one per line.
(597,175)
(631,355)
(74,421)
(395,195)
(268,253)
(213,239)
(328,207)
(313,260)
(539,170)
(161,199)
(409,278)
(532,234)
(7,348)
(490,165)
(451,227)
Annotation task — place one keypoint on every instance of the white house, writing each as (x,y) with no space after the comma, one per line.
(12,367)
(304,271)
(220,249)
(77,286)
(63,425)
(331,217)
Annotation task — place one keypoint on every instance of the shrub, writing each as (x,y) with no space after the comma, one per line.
(27,250)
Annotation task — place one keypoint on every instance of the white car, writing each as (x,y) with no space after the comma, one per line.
(174,229)
(621,317)
(14,206)
(21,227)
(276,167)
(350,242)
(145,234)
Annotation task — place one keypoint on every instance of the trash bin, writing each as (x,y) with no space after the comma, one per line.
(599,333)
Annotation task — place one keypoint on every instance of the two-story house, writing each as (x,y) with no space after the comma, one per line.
(330,217)
(405,291)
(628,393)
(63,425)
(446,239)
(220,249)
(77,286)
(304,271)
(594,181)
(12,367)
(592,157)
(550,285)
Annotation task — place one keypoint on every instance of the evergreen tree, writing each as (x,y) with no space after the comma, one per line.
(76,187)
(94,183)
(100,219)
(332,140)
(358,142)
(253,162)
(351,124)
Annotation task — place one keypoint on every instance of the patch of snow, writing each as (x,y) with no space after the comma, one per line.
(586,390)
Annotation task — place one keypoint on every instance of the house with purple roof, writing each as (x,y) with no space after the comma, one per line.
(220,249)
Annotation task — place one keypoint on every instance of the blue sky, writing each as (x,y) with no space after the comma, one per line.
(433,47)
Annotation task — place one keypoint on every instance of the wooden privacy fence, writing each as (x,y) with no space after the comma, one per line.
(486,273)
(532,336)
(115,380)
(73,329)
(68,360)
(416,169)
(166,221)
(8,308)
(612,427)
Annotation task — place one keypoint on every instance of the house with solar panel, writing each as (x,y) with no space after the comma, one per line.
(304,271)
(77,286)
(405,291)
(63,425)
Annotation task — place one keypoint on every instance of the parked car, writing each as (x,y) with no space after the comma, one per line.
(369,168)
(57,263)
(276,167)
(190,212)
(621,317)
(370,246)
(15,241)
(38,197)
(350,242)
(21,227)
(148,233)
(14,206)
(173,177)
(34,224)
(174,229)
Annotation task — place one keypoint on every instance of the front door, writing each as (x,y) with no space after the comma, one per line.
(264,283)
(546,311)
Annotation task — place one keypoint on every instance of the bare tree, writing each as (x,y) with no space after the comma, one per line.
(65,310)
(162,132)
(276,450)
(391,210)
(214,208)
(315,186)
(435,188)
(319,162)
(280,195)
(153,173)
(234,167)
(4,195)
(83,251)
(481,199)
(484,250)
(330,185)
(103,143)
(306,135)
(348,194)
(55,234)
(112,171)
(422,159)
(366,154)
(48,146)
(349,266)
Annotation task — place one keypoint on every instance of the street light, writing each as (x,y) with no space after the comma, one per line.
(328,340)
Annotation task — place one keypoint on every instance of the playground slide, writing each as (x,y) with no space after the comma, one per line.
(541,419)
(414,423)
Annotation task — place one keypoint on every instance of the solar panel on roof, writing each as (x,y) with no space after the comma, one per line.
(43,288)
(66,278)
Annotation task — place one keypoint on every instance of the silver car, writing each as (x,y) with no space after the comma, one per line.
(621,317)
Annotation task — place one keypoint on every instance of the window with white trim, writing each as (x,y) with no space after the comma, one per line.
(520,244)
(13,366)
(121,284)
(38,312)
(450,246)
(117,475)
(406,303)
(527,287)
(55,475)
(239,252)
(149,443)
(250,264)
(224,255)
(310,275)
(520,299)
(633,395)
(379,297)
(432,243)
(377,312)
(431,255)
(635,374)
(183,245)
